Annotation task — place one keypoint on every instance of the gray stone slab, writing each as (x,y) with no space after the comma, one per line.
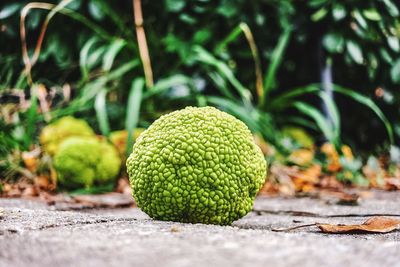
(31,234)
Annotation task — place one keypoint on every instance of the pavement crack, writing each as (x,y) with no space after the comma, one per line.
(52,226)
(317,215)
(45,227)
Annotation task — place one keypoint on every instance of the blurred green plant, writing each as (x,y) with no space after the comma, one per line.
(92,67)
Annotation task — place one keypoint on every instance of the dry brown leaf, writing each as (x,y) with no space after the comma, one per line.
(372,225)
(302,157)
(392,184)
(124,187)
(31,159)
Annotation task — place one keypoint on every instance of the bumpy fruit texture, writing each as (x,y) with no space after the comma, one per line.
(53,134)
(85,161)
(197,165)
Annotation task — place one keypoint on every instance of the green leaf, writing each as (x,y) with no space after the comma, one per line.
(360,19)
(333,113)
(221,84)
(101,112)
(163,85)
(370,104)
(95,10)
(237,109)
(355,52)
(112,51)
(84,56)
(175,5)
(339,12)
(322,123)
(133,110)
(372,14)
(316,3)
(392,8)
(32,115)
(320,14)
(9,10)
(385,55)
(333,42)
(276,59)
(204,56)
(202,36)
(395,72)
(393,43)
(285,100)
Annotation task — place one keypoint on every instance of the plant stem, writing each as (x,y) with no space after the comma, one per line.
(142,43)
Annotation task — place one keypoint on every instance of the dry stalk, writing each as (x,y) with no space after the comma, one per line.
(142,43)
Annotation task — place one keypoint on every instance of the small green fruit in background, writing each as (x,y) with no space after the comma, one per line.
(81,162)
(197,165)
(53,134)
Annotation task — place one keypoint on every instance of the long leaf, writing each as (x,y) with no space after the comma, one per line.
(276,60)
(112,52)
(243,27)
(333,114)
(133,111)
(324,125)
(286,99)
(370,104)
(163,85)
(207,58)
(32,114)
(221,85)
(101,112)
(84,55)
(237,109)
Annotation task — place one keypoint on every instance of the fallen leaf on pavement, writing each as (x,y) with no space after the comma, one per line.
(372,225)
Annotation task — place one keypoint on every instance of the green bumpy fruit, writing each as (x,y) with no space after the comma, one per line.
(53,134)
(85,161)
(197,165)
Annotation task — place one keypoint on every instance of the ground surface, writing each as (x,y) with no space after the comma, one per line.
(31,234)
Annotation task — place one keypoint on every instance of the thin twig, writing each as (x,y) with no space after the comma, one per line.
(142,43)
(293,228)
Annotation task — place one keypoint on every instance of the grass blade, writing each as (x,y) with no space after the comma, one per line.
(101,112)
(207,58)
(32,114)
(284,100)
(276,60)
(84,55)
(112,51)
(237,109)
(243,27)
(133,111)
(324,125)
(370,104)
(333,114)
(165,84)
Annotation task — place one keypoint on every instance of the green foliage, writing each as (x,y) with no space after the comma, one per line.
(205,55)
